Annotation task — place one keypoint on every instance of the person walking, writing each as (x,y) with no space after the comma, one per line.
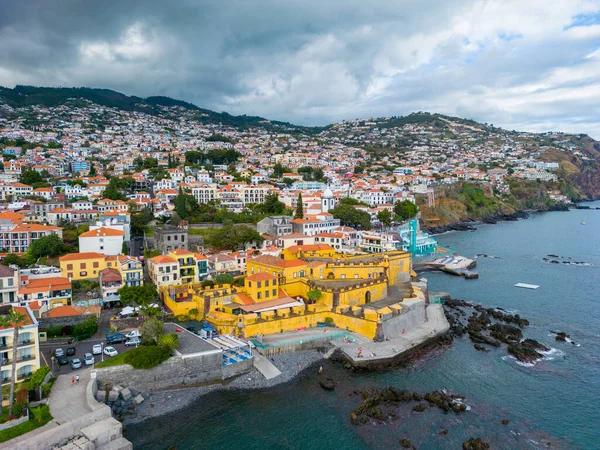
(76,379)
(72,380)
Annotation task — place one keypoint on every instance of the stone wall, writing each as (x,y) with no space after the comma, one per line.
(413,315)
(46,323)
(233,370)
(174,372)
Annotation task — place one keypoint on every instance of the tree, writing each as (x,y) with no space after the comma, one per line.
(48,246)
(233,237)
(152,330)
(351,217)
(169,341)
(299,213)
(385,217)
(405,210)
(92,172)
(170,162)
(279,170)
(31,177)
(12,259)
(314,295)
(140,295)
(17,320)
(224,278)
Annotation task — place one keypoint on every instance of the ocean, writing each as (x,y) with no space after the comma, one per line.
(556,401)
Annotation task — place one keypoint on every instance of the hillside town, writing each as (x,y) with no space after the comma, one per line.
(239,238)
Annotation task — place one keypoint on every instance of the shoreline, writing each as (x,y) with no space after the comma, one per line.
(292,365)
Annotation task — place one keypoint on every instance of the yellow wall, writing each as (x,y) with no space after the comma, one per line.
(287,272)
(323,253)
(92,272)
(266,289)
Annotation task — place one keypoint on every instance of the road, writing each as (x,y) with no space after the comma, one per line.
(137,246)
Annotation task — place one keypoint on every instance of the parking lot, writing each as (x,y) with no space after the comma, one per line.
(81,348)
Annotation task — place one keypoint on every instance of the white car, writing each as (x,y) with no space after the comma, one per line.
(133,334)
(88,359)
(97,349)
(133,341)
(110,351)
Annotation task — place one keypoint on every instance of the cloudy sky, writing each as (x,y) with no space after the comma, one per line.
(520,64)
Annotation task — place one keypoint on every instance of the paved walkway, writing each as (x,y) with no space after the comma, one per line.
(68,400)
(264,366)
(374,351)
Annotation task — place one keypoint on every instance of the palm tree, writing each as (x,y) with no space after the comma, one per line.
(170,341)
(16,320)
(4,323)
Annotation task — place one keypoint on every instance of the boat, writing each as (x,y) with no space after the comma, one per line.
(527,286)
(583,222)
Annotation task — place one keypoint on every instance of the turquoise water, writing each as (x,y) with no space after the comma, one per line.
(557,400)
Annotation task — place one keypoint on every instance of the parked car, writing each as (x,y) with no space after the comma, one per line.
(192,329)
(133,341)
(133,334)
(97,349)
(116,338)
(71,351)
(88,359)
(62,360)
(75,363)
(110,351)
(59,352)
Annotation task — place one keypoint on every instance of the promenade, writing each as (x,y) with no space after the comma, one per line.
(362,351)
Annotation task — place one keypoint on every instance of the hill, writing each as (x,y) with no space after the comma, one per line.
(52,97)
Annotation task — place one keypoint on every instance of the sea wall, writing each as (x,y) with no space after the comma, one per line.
(173,373)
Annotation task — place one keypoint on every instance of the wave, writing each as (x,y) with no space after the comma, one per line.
(552,354)
(512,358)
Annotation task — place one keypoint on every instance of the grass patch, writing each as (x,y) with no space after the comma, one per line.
(38,417)
(118,360)
(206,232)
(149,230)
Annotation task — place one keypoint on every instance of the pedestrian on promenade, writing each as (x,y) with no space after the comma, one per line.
(72,380)
(320,369)
(77,379)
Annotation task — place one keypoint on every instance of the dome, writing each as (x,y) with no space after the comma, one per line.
(327,193)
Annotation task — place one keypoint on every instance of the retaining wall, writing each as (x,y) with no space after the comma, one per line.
(413,315)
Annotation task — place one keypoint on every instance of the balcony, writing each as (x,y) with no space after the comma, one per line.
(25,343)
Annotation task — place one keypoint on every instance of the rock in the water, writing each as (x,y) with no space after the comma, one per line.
(504,421)
(420,407)
(138,399)
(113,396)
(475,444)
(443,432)
(561,336)
(327,383)
(405,443)
(126,394)
(480,348)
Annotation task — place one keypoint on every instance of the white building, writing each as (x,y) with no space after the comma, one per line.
(102,240)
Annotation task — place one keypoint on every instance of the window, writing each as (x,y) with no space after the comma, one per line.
(295,274)
(96,265)
(266,283)
(83,274)
(69,266)
(249,283)
(267,293)
(343,276)
(274,292)
(259,284)
(82,265)
(259,295)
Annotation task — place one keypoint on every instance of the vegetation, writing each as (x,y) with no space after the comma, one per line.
(224,278)
(147,356)
(87,328)
(405,210)
(213,156)
(169,341)
(314,295)
(38,377)
(299,213)
(351,217)
(233,237)
(385,217)
(38,417)
(15,320)
(47,246)
(312,173)
(142,296)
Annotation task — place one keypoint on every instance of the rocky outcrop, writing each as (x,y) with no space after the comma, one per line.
(527,351)
(375,399)
(327,383)
(475,444)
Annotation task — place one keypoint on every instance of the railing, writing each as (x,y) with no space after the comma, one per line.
(27,342)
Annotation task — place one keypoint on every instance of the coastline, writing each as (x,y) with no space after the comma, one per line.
(292,366)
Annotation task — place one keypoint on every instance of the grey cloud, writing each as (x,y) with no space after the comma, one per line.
(308,62)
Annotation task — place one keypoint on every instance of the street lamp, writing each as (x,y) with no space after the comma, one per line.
(102,350)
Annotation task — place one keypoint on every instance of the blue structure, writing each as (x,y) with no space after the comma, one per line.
(416,241)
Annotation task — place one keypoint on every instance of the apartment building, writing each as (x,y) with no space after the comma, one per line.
(28,350)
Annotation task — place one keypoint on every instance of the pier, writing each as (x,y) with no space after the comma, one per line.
(454,265)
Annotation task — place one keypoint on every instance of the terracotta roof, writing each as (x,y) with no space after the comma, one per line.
(181,251)
(65,311)
(261,276)
(78,256)
(102,231)
(45,285)
(161,259)
(6,271)
(110,275)
(270,260)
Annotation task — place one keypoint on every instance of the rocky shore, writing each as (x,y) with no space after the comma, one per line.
(159,403)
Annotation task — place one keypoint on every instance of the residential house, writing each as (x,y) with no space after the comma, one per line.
(28,350)
(82,266)
(102,240)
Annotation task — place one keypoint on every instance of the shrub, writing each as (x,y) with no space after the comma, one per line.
(87,328)
(208,284)
(145,357)
(224,278)
(38,376)
(55,331)
(170,341)
(329,320)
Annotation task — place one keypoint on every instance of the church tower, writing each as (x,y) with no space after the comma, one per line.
(327,201)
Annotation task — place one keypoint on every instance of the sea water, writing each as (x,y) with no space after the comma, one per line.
(556,400)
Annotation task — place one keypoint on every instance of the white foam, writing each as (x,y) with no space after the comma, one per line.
(512,358)
(551,354)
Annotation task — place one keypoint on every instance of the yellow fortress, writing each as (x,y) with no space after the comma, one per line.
(307,285)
